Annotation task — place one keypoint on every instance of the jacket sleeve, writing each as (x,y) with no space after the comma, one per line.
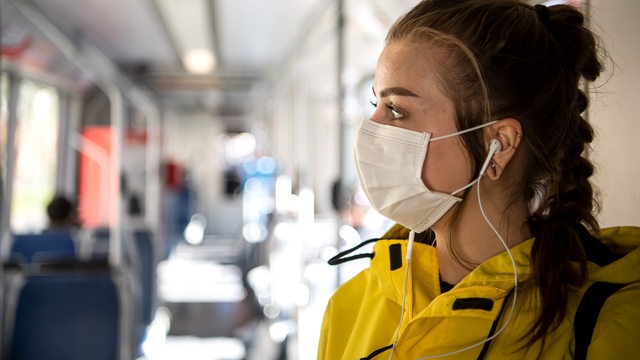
(324,333)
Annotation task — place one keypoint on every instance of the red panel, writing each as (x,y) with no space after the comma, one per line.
(95,188)
(173,175)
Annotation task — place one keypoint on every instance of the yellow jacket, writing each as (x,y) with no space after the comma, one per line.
(362,316)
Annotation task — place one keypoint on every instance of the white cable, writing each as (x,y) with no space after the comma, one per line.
(412,235)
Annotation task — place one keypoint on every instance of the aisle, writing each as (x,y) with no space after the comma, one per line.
(201,299)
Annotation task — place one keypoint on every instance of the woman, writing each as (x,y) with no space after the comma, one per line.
(476,150)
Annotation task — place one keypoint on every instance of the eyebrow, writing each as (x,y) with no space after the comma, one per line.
(400,91)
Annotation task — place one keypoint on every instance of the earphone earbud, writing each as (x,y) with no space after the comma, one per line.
(494,147)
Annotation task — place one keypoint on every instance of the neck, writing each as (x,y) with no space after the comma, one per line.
(466,240)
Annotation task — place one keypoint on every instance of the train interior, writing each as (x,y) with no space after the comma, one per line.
(176,174)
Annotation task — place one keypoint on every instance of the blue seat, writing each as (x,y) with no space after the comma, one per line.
(67,316)
(141,257)
(100,243)
(47,245)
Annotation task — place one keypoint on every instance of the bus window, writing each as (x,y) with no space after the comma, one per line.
(36,137)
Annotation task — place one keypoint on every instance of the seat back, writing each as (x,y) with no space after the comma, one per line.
(49,245)
(68,315)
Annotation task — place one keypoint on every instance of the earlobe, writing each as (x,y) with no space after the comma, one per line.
(509,133)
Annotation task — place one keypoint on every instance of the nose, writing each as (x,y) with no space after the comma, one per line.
(378,117)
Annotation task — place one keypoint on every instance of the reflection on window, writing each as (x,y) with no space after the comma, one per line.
(36,137)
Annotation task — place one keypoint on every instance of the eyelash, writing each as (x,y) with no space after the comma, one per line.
(396,114)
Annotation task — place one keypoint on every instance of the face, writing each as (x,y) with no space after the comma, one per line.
(408,95)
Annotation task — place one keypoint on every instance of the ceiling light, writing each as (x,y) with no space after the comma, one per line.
(199,61)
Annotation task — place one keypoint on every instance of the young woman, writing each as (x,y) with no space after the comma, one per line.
(476,150)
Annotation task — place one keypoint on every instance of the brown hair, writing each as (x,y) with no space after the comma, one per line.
(505,58)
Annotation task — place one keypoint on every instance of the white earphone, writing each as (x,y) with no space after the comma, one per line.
(494,147)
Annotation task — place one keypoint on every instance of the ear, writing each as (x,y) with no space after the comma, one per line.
(509,133)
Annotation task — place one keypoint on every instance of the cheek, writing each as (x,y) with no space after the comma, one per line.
(447,166)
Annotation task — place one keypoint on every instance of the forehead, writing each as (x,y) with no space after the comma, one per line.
(407,64)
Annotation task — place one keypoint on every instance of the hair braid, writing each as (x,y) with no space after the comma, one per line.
(568,200)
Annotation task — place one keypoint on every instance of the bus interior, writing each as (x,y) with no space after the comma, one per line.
(203,152)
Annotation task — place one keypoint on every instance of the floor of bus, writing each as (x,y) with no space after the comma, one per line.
(204,310)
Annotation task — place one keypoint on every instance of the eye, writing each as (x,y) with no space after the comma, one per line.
(395,113)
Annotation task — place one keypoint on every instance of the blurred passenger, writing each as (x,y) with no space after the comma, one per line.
(62,214)
(64,223)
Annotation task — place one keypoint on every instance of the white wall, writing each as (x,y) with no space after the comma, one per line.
(615,113)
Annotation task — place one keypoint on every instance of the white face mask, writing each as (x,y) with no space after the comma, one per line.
(389,161)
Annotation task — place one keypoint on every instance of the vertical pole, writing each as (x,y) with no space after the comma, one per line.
(343,127)
(67,163)
(5,209)
(6,183)
(74,126)
(63,104)
(152,205)
(115,173)
(340,60)
(62,155)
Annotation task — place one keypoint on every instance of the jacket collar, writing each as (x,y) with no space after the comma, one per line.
(493,278)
